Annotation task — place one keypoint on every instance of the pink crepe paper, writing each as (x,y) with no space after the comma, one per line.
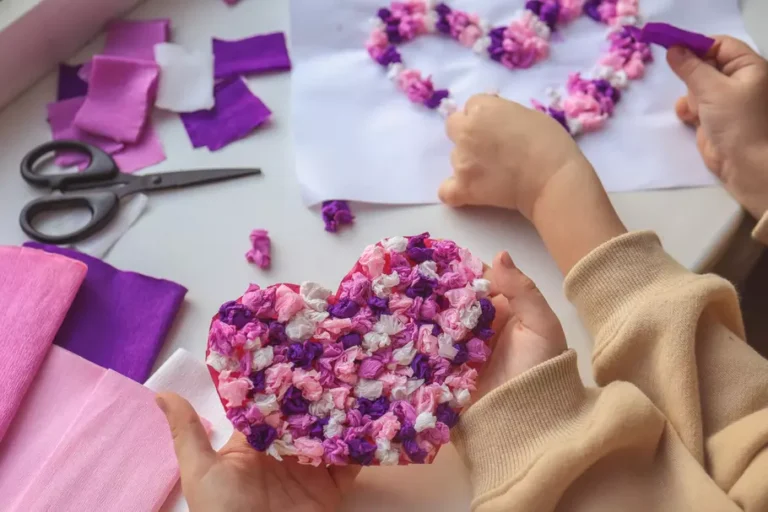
(36,290)
(132,39)
(120,94)
(237,112)
(61,115)
(86,438)
(255,54)
(147,151)
(261,248)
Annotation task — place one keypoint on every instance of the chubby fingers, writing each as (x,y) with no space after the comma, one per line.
(526,303)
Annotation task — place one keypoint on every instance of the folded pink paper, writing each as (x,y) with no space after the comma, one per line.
(61,116)
(134,39)
(36,290)
(86,438)
(120,94)
(147,151)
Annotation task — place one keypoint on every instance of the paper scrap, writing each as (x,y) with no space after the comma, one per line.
(133,39)
(186,79)
(70,84)
(237,113)
(61,116)
(257,54)
(120,94)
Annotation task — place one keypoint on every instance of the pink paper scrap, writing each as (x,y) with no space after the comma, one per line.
(120,94)
(86,439)
(255,54)
(61,116)
(133,39)
(237,113)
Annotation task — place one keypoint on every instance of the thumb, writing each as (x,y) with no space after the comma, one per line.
(526,303)
(452,193)
(697,74)
(190,442)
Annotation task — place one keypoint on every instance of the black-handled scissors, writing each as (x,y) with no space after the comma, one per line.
(99,187)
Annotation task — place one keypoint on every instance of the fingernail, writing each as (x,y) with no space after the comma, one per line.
(160,401)
(506,260)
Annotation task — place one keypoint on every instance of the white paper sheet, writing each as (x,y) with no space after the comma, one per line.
(359,138)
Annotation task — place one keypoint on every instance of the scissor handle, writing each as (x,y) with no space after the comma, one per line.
(100,168)
(103,206)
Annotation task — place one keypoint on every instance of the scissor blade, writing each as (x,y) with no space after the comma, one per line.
(180,179)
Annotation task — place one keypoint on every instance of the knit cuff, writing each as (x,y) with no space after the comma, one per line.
(501,435)
(760,233)
(608,283)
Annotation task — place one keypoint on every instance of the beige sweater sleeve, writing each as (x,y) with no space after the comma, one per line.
(680,421)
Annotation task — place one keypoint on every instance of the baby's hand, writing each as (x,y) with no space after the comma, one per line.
(529,332)
(505,154)
(727,103)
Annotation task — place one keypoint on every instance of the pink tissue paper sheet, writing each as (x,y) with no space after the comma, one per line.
(120,94)
(106,448)
(61,115)
(132,39)
(237,113)
(147,151)
(36,291)
(257,54)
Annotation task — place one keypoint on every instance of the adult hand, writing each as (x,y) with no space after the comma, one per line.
(727,104)
(241,479)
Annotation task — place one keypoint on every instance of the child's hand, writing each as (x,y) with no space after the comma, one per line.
(727,103)
(529,331)
(238,478)
(505,154)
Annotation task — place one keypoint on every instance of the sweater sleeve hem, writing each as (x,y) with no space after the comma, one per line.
(502,433)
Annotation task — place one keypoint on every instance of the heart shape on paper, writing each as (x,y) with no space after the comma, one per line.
(520,44)
(375,374)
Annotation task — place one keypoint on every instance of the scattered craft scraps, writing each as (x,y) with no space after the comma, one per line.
(374,374)
(257,54)
(186,79)
(70,84)
(61,116)
(261,248)
(336,213)
(134,39)
(237,113)
(119,99)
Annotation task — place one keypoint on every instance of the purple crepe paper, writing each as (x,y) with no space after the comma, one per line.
(118,319)
(70,84)
(666,35)
(255,54)
(237,113)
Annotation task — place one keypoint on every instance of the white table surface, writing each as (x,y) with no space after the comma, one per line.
(197,237)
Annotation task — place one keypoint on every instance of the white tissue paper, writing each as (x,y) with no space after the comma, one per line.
(186,79)
(188,377)
(359,138)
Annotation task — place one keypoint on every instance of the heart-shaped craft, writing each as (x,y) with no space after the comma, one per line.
(587,101)
(376,373)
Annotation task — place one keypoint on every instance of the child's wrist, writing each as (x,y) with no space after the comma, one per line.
(573,214)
